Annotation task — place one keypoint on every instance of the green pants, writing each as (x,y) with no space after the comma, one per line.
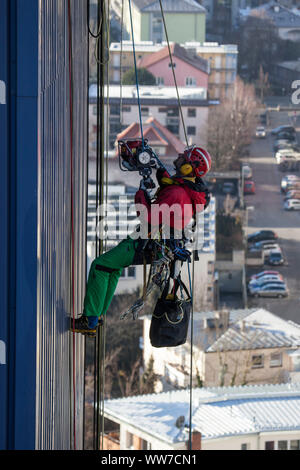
(102,283)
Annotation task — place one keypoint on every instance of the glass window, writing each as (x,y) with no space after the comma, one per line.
(145,111)
(126,109)
(245,446)
(276,360)
(191,112)
(160,80)
(191,130)
(190,81)
(282,445)
(269,445)
(295,445)
(257,361)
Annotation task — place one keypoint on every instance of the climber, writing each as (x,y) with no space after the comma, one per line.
(185,189)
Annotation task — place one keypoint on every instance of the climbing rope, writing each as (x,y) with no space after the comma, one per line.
(72,213)
(136,75)
(173,71)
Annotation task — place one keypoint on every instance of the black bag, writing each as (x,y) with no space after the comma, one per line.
(170,319)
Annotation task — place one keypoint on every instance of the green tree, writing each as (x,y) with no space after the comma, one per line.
(144,77)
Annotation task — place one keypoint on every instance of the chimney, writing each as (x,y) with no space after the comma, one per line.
(223,319)
(196,441)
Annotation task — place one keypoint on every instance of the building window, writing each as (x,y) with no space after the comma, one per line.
(269,445)
(295,445)
(257,361)
(129,273)
(129,440)
(145,111)
(276,360)
(282,445)
(126,109)
(174,65)
(162,110)
(191,130)
(245,446)
(95,110)
(145,445)
(190,81)
(192,112)
(114,109)
(157,29)
(160,81)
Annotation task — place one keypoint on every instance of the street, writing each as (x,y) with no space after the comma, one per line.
(269,214)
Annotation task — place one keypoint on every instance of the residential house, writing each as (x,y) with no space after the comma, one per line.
(222,65)
(230,347)
(185,20)
(191,70)
(285,20)
(261,417)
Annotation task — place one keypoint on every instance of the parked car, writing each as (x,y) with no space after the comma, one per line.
(249,187)
(270,290)
(260,132)
(265,280)
(293,185)
(262,235)
(292,205)
(246,171)
(275,258)
(284,135)
(292,194)
(285,128)
(287,155)
(286,180)
(284,143)
(266,273)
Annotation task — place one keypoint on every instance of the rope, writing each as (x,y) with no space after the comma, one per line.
(191,283)
(173,71)
(72,215)
(136,74)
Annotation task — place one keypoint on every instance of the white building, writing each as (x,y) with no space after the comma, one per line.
(264,417)
(158,102)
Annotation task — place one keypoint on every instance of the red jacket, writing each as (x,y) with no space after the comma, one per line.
(187,198)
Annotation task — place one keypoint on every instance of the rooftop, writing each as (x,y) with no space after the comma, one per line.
(217,412)
(258,330)
(281,16)
(173,6)
(186,55)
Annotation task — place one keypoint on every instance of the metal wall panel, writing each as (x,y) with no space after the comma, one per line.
(36,383)
(55,351)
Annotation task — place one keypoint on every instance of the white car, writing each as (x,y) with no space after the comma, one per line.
(266,249)
(292,204)
(260,131)
(287,157)
(265,279)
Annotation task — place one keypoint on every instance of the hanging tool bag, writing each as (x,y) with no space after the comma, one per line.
(170,318)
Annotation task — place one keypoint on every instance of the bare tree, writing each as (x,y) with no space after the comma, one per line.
(231,126)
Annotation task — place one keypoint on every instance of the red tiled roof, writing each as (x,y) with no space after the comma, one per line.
(152,129)
(178,51)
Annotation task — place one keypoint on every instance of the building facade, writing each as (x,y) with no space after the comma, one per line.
(185,20)
(36,373)
(222,60)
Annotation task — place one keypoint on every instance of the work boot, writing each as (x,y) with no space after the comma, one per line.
(83,325)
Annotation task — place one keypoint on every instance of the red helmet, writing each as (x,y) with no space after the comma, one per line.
(200,160)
